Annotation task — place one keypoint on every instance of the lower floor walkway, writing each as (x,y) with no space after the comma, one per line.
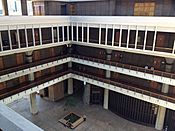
(98,119)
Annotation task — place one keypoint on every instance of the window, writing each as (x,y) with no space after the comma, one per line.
(72,9)
(144,9)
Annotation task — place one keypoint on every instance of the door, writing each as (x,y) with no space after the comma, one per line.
(96,96)
(63,9)
(160,42)
(117,37)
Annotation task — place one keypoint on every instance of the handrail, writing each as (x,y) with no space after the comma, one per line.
(158,95)
(6,92)
(112,63)
(11,91)
(130,67)
(30,65)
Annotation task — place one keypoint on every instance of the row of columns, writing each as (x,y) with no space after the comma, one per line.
(31,77)
(108,76)
(165,89)
(70,81)
(86,97)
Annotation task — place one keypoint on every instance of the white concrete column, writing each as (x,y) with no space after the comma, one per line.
(160,118)
(108,76)
(106,98)
(165,88)
(86,95)
(70,86)
(33,105)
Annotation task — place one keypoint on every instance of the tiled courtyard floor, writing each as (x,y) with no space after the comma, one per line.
(98,119)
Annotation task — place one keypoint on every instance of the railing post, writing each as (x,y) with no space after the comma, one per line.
(18,38)
(155,36)
(87,33)
(63,32)
(1,42)
(120,39)
(72,31)
(99,40)
(136,38)
(128,36)
(10,41)
(33,35)
(144,46)
(113,33)
(26,36)
(40,35)
(67,33)
(173,48)
(52,34)
(77,31)
(82,33)
(58,34)
(106,37)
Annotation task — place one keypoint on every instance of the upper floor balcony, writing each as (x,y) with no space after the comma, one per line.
(142,35)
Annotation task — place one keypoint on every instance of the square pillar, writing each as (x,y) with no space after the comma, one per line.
(165,88)
(106,98)
(70,86)
(160,118)
(31,77)
(86,95)
(33,106)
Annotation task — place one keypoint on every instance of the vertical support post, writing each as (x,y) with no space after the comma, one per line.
(86,94)
(144,45)
(52,34)
(155,37)
(120,39)
(87,33)
(165,89)
(72,30)
(113,33)
(128,36)
(82,33)
(17,31)
(10,41)
(137,32)
(99,40)
(173,48)
(77,31)
(106,98)
(106,37)
(33,35)
(70,86)
(40,35)
(108,76)
(1,42)
(63,32)
(58,34)
(27,43)
(67,33)
(33,105)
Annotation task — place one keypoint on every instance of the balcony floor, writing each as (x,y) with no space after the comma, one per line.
(98,119)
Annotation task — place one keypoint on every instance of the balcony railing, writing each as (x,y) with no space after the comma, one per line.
(8,92)
(144,35)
